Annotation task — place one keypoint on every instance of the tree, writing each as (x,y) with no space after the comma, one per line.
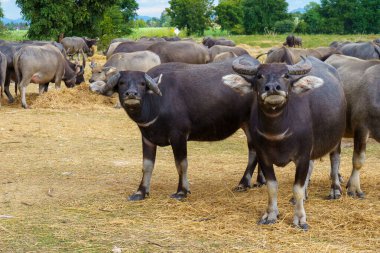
(48,18)
(284,26)
(260,15)
(2,27)
(165,19)
(193,15)
(229,14)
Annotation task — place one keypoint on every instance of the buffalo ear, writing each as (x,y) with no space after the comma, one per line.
(238,83)
(306,83)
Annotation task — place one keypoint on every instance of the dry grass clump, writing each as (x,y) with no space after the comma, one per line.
(79,97)
(255,50)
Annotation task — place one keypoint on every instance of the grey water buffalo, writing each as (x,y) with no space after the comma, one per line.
(137,61)
(76,45)
(217,49)
(293,41)
(3,72)
(293,55)
(361,83)
(298,115)
(361,50)
(210,42)
(41,65)
(132,46)
(181,51)
(176,102)
(224,56)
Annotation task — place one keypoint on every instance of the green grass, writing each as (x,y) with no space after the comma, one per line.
(265,41)
(14,35)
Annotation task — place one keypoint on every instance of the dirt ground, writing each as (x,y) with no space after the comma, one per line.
(67,170)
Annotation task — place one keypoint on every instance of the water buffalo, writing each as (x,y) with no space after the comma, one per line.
(361,83)
(298,115)
(181,51)
(293,55)
(76,45)
(217,49)
(176,102)
(210,42)
(137,61)
(293,41)
(362,50)
(224,56)
(132,46)
(42,64)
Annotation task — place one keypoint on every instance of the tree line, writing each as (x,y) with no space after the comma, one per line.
(114,18)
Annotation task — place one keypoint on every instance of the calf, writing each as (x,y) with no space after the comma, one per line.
(298,115)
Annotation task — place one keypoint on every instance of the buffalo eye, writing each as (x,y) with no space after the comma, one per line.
(286,76)
(259,76)
(142,84)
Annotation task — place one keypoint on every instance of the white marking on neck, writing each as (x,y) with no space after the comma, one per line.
(275,137)
(148,123)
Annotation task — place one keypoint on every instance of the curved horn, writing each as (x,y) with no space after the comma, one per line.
(152,84)
(242,66)
(111,83)
(301,68)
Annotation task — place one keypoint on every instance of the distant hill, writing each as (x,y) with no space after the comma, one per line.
(300,10)
(145,18)
(16,21)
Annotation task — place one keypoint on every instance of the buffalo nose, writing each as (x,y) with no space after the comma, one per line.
(272,87)
(131,94)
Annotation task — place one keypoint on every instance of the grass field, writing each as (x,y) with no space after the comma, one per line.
(264,41)
(69,163)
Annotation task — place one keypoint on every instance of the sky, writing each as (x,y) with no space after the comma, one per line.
(152,8)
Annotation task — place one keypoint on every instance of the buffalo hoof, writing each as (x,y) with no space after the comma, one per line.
(179,195)
(241,188)
(266,221)
(136,197)
(11,101)
(304,227)
(360,195)
(258,184)
(335,194)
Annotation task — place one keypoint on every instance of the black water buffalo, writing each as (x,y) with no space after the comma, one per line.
(42,64)
(210,42)
(137,61)
(217,49)
(361,83)
(176,102)
(298,115)
(362,50)
(132,46)
(293,55)
(76,45)
(293,41)
(181,51)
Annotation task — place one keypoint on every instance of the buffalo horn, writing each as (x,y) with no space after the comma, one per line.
(111,83)
(153,85)
(244,67)
(301,68)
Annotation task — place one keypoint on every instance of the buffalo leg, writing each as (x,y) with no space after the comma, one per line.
(149,158)
(307,182)
(245,181)
(22,87)
(299,187)
(271,214)
(43,87)
(6,88)
(336,189)
(358,159)
(179,146)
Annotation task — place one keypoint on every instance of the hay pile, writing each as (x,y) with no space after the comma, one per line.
(255,51)
(79,97)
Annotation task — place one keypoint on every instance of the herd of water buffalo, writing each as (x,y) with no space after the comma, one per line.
(296,106)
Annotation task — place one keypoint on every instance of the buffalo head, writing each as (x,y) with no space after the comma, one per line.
(132,87)
(272,82)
